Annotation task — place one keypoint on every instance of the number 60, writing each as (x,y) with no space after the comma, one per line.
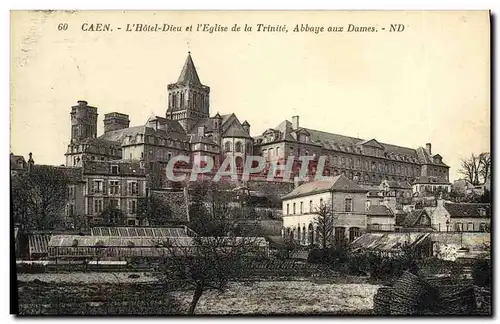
(62,27)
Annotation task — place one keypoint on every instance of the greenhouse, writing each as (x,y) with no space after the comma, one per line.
(142,231)
(121,247)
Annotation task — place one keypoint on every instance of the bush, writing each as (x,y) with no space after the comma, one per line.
(335,256)
(481,273)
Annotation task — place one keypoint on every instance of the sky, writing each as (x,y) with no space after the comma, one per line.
(429,83)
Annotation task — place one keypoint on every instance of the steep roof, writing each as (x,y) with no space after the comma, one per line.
(426,158)
(379,210)
(195,138)
(74,174)
(338,183)
(188,73)
(331,141)
(168,129)
(236,130)
(460,210)
(413,217)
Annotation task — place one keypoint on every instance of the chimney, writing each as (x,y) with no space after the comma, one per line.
(201,131)
(115,121)
(428,148)
(295,122)
(82,103)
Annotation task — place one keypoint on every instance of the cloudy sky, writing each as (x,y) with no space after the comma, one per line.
(429,83)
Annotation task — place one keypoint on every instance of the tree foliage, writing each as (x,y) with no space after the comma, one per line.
(155,210)
(39,197)
(325,225)
(113,216)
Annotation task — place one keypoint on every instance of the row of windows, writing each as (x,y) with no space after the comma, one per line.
(348,207)
(98,149)
(96,206)
(157,140)
(99,186)
(310,236)
(238,147)
(471,227)
(177,99)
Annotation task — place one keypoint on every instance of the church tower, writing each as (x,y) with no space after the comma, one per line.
(188,99)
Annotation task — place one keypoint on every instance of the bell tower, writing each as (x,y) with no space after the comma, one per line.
(188,99)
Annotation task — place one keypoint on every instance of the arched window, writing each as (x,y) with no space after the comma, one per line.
(270,154)
(248,148)
(227,146)
(237,147)
(304,235)
(299,237)
(278,152)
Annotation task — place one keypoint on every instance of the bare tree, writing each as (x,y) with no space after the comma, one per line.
(470,169)
(325,224)
(485,166)
(217,255)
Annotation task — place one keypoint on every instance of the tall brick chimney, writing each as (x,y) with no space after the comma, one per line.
(115,121)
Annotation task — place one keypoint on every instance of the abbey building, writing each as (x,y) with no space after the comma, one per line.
(188,128)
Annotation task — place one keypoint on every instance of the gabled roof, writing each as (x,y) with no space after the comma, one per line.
(236,130)
(426,158)
(188,73)
(413,217)
(338,183)
(461,210)
(379,210)
(372,142)
(194,138)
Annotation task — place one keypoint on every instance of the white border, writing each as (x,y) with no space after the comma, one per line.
(493,5)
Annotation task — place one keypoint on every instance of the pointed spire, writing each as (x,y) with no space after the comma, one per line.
(188,73)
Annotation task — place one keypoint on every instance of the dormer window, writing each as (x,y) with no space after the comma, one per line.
(482,212)
(114,169)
